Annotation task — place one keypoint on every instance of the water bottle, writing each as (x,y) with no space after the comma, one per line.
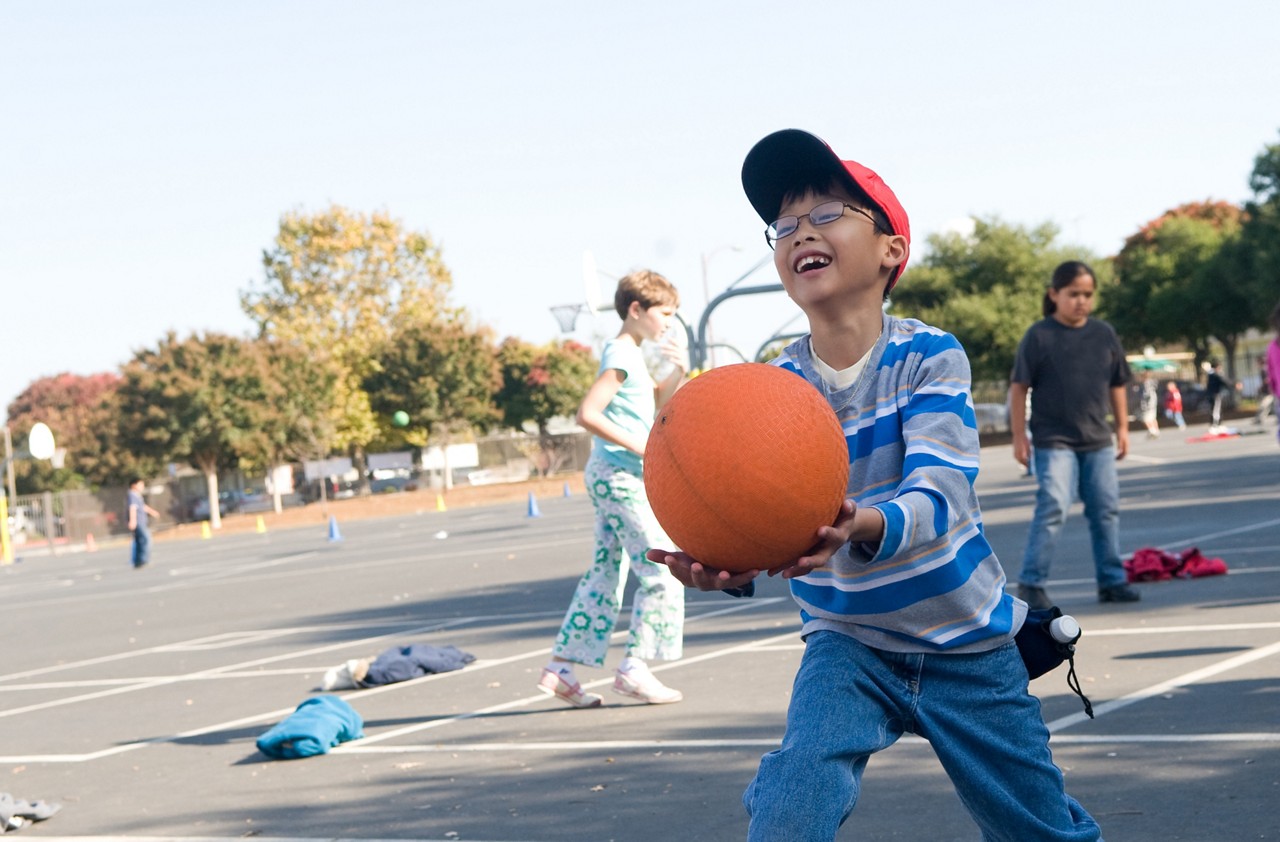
(1064,629)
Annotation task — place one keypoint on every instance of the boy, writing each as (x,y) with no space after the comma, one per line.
(619,409)
(138,511)
(907,626)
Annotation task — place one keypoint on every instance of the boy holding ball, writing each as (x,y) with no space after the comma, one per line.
(907,625)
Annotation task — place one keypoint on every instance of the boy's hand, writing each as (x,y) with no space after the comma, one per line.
(694,574)
(830,539)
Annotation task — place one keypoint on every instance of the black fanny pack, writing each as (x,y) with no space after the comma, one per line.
(1047,638)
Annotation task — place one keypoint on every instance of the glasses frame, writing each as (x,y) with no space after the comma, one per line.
(772,240)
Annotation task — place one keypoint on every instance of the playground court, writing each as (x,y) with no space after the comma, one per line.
(133,698)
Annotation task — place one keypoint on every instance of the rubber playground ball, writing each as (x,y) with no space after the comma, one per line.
(401,418)
(742,466)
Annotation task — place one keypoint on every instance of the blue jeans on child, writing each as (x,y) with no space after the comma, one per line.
(850,701)
(1062,472)
(141,546)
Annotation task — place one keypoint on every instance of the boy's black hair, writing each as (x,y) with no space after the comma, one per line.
(828,183)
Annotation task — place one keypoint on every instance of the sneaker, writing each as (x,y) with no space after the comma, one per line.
(1118,593)
(553,684)
(1035,597)
(643,685)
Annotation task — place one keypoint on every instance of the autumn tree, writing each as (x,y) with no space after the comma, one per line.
(339,284)
(986,287)
(443,376)
(79,411)
(203,400)
(541,383)
(1182,278)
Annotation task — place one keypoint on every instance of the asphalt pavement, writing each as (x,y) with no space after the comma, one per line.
(134,698)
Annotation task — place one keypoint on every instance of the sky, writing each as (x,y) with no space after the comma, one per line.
(149,149)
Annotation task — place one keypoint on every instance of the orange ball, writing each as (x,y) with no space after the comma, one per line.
(742,466)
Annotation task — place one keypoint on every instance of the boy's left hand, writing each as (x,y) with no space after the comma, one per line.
(830,539)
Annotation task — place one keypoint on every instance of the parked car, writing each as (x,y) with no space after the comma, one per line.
(992,417)
(228,502)
(1195,400)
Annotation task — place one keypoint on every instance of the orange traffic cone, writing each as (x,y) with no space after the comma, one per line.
(90,545)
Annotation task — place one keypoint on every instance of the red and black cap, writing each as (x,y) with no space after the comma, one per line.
(791,157)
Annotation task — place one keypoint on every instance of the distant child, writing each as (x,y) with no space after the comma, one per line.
(619,409)
(1148,404)
(1173,405)
(138,512)
(1075,369)
(907,625)
(1215,389)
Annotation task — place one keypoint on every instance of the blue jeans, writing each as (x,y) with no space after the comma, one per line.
(850,701)
(1062,473)
(141,546)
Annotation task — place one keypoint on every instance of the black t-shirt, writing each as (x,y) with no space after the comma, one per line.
(1071,372)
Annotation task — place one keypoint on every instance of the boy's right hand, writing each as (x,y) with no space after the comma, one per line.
(694,574)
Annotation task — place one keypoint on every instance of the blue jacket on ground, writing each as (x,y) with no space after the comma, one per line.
(319,724)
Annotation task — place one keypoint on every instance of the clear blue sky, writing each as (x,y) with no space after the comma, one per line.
(148,149)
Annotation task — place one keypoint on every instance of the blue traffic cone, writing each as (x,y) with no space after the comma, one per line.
(334,534)
(567,493)
(533,506)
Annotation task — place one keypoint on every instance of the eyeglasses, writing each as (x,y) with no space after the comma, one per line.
(823,214)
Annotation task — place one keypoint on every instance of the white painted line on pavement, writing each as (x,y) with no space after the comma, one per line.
(742,605)
(1165,686)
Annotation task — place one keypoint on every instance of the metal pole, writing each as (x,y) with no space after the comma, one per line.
(8,464)
(701,346)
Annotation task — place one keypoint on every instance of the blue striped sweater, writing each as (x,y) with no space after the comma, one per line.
(933,584)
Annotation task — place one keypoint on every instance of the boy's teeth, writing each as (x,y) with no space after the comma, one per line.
(811,262)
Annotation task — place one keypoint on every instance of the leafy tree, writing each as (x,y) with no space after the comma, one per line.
(1260,234)
(541,383)
(443,376)
(339,284)
(1183,278)
(986,287)
(300,424)
(78,410)
(202,400)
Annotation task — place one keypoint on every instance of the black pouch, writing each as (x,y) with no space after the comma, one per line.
(1046,639)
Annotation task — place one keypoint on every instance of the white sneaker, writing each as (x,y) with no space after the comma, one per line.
(554,685)
(643,685)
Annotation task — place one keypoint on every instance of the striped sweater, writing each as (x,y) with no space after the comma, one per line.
(933,584)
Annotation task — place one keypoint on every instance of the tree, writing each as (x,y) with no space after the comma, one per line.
(78,410)
(1182,278)
(443,376)
(338,284)
(986,288)
(541,383)
(202,400)
(1260,233)
(300,424)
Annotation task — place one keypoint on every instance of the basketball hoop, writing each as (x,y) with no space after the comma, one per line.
(566,315)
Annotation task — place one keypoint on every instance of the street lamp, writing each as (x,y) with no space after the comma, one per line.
(709,339)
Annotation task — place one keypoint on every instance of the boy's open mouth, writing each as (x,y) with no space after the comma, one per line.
(810,262)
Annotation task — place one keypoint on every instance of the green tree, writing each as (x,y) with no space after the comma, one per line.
(1182,279)
(300,424)
(203,400)
(339,284)
(443,375)
(986,288)
(1260,233)
(541,383)
(78,410)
